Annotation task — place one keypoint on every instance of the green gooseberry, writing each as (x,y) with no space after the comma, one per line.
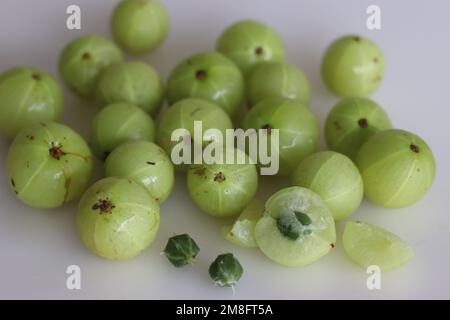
(271,80)
(297,228)
(210,76)
(82,61)
(145,163)
(117,219)
(182,115)
(181,250)
(139,26)
(298,132)
(353,66)
(368,245)
(27,96)
(397,168)
(335,178)
(226,270)
(223,190)
(118,123)
(250,42)
(132,82)
(352,122)
(48,165)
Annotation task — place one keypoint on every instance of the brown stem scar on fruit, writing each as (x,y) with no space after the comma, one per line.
(56,152)
(259,51)
(200,74)
(104,205)
(363,123)
(332,245)
(268,128)
(36,76)
(414,148)
(86,56)
(219,177)
(200,171)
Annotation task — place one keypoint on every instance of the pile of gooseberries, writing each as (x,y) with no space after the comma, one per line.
(118,217)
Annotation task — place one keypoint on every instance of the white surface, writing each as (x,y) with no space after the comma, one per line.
(36,246)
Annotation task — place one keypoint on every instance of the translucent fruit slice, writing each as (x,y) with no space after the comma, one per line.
(242,232)
(368,245)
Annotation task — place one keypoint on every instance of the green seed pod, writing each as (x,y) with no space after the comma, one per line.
(226,270)
(352,122)
(335,178)
(210,76)
(27,96)
(139,26)
(133,82)
(117,219)
(48,165)
(397,168)
(249,43)
(145,163)
(181,250)
(119,123)
(82,61)
(272,80)
(353,67)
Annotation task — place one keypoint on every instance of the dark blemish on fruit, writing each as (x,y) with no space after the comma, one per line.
(151,163)
(106,154)
(104,205)
(259,51)
(13,183)
(414,148)
(194,112)
(332,245)
(363,123)
(30,137)
(219,177)
(56,152)
(15,191)
(268,128)
(337,125)
(36,76)
(201,171)
(86,56)
(375,60)
(200,74)
(357,39)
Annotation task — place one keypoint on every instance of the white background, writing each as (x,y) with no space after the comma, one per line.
(36,246)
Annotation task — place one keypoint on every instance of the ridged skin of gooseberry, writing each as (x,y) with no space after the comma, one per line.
(352,122)
(249,43)
(83,60)
(226,270)
(48,165)
(271,80)
(297,129)
(181,250)
(139,26)
(223,190)
(117,219)
(133,82)
(182,115)
(27,96)
(210,76)
(117,124)
(397,168)
(145,163)
(335,178)
(307,248)
(368,245)
(353,66)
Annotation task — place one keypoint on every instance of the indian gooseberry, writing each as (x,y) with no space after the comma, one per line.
(118,123)
(335,178)
(250,42)
(210,76)
(117,219)
(226,270)
(271,80)
(133,82)
(181,250)
(397,168)
(84,59)
(145,163)
(352,122)
(139,26)
(353,66)
(27,96)
(48,165)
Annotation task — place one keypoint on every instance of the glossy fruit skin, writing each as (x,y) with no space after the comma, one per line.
(223,190)
(119,123)
(133,82)
(352,122)
(249,43)
(48,165)
(369,245)
(145,163)
(183,114)
(117,219)
(298,131)
(307,248)
(335,178)
(27,96)
(272,80)
(181,250)
(210,76)
(353,66)
(226,270)
(139,26)
(84,59)
(397,168)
